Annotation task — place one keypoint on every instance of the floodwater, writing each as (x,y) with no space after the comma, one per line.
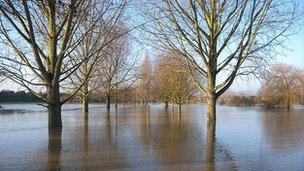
(150,138)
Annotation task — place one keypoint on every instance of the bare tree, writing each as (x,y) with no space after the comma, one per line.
(39,36)
(281,86)
(116,67)
(221,38)
(93,50)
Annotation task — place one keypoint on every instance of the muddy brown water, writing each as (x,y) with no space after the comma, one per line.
(151,138)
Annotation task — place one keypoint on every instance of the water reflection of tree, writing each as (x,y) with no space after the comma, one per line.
(54,149)
(171,139)
(112,152)
(282,128)
(216,151)
(163,133)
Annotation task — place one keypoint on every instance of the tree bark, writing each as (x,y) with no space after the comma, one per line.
(211,100)
(54,107)
(211,109)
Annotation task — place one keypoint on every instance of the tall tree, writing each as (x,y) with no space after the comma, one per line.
(221,38)
(39,36)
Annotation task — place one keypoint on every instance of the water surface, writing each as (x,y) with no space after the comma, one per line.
(151,138)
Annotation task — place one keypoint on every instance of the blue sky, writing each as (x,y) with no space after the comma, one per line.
(293,55)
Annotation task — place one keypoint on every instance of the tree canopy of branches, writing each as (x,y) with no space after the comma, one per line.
(281,86)
(94,50)
(38,39)
(221,38)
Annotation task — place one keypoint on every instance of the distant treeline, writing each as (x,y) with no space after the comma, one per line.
(23,96)
(19,96)
(239,100)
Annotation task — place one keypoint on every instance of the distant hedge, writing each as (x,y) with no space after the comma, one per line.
(19,96)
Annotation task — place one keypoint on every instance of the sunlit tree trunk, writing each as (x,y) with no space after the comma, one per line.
(211,102)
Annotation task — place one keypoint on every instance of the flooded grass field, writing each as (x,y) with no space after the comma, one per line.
(151,138)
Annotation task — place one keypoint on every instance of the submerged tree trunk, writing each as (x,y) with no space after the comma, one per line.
(210,147)
(54,148)
(85,99)
(54,107)
(288,104)
(211,109)
(180,109)
(211,98)
(85,103)
(166,105)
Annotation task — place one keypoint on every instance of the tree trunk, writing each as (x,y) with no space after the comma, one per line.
(116,103)
(166,105)
(85,99)
(288,104)
(85,103)
(116,96)
(211,99)
(54,107)
(173,106)
(180,109)
(211,109)
(108,101)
